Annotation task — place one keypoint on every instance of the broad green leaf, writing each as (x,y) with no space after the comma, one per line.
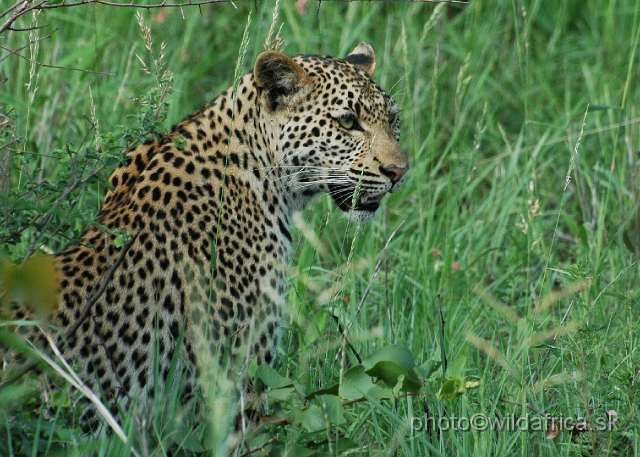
(300,388)
(272,378)
(451,388)
(379,392)
(394,353)
(281,394)
(345,444)
(357,384)
(455,369)
(390,373)
(389,363)
(312,419)
(333,390)
(34,284)
(333,409)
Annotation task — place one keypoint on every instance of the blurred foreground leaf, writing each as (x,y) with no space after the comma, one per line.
(33,284)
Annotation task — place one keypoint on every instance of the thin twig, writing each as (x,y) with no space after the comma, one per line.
(528,405)
(133,4)
(16,51)
(21,8)
(46,65)
(346,340)
(262,447)
(29,29)
(361,399)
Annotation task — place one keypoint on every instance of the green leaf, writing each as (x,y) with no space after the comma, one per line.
(357,384)
(379,392)
(451,389)
(389,363)
(34,284)
(312,419)
(300,388)
(455,369)
(333,409)
(390,373)
(180,142)
(272,378)
(119,241)
(345,444)
(394,353)
(281,393)
(333,390)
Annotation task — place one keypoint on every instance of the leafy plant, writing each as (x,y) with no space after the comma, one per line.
(386,375)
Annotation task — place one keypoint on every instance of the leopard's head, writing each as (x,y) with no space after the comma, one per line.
(338,131)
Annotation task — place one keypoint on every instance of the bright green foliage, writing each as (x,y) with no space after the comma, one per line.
(513,280)
(386,374)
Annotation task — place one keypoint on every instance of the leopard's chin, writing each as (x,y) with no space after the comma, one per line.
(369,203)
(361,215)
(364,209)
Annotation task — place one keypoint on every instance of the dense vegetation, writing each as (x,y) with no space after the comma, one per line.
(507,265)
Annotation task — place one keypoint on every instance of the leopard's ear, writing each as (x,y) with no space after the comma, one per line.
(363,57)
(282,80)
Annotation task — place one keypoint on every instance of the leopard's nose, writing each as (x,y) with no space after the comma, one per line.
(394,173)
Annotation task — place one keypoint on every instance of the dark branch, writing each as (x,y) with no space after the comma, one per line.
(49,65)
(105,282)
(85,312)
(22,7)
(16,51)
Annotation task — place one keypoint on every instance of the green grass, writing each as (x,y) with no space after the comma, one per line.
(515,276)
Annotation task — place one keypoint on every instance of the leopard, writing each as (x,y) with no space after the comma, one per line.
(208,210)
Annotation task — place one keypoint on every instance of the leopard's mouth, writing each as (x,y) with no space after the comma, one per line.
(343,196)
(369,202)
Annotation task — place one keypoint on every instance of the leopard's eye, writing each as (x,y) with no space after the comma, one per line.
(348,122)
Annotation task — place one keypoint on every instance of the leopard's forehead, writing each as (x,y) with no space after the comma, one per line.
(342,84)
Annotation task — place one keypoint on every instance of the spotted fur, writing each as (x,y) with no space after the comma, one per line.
(210,205)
